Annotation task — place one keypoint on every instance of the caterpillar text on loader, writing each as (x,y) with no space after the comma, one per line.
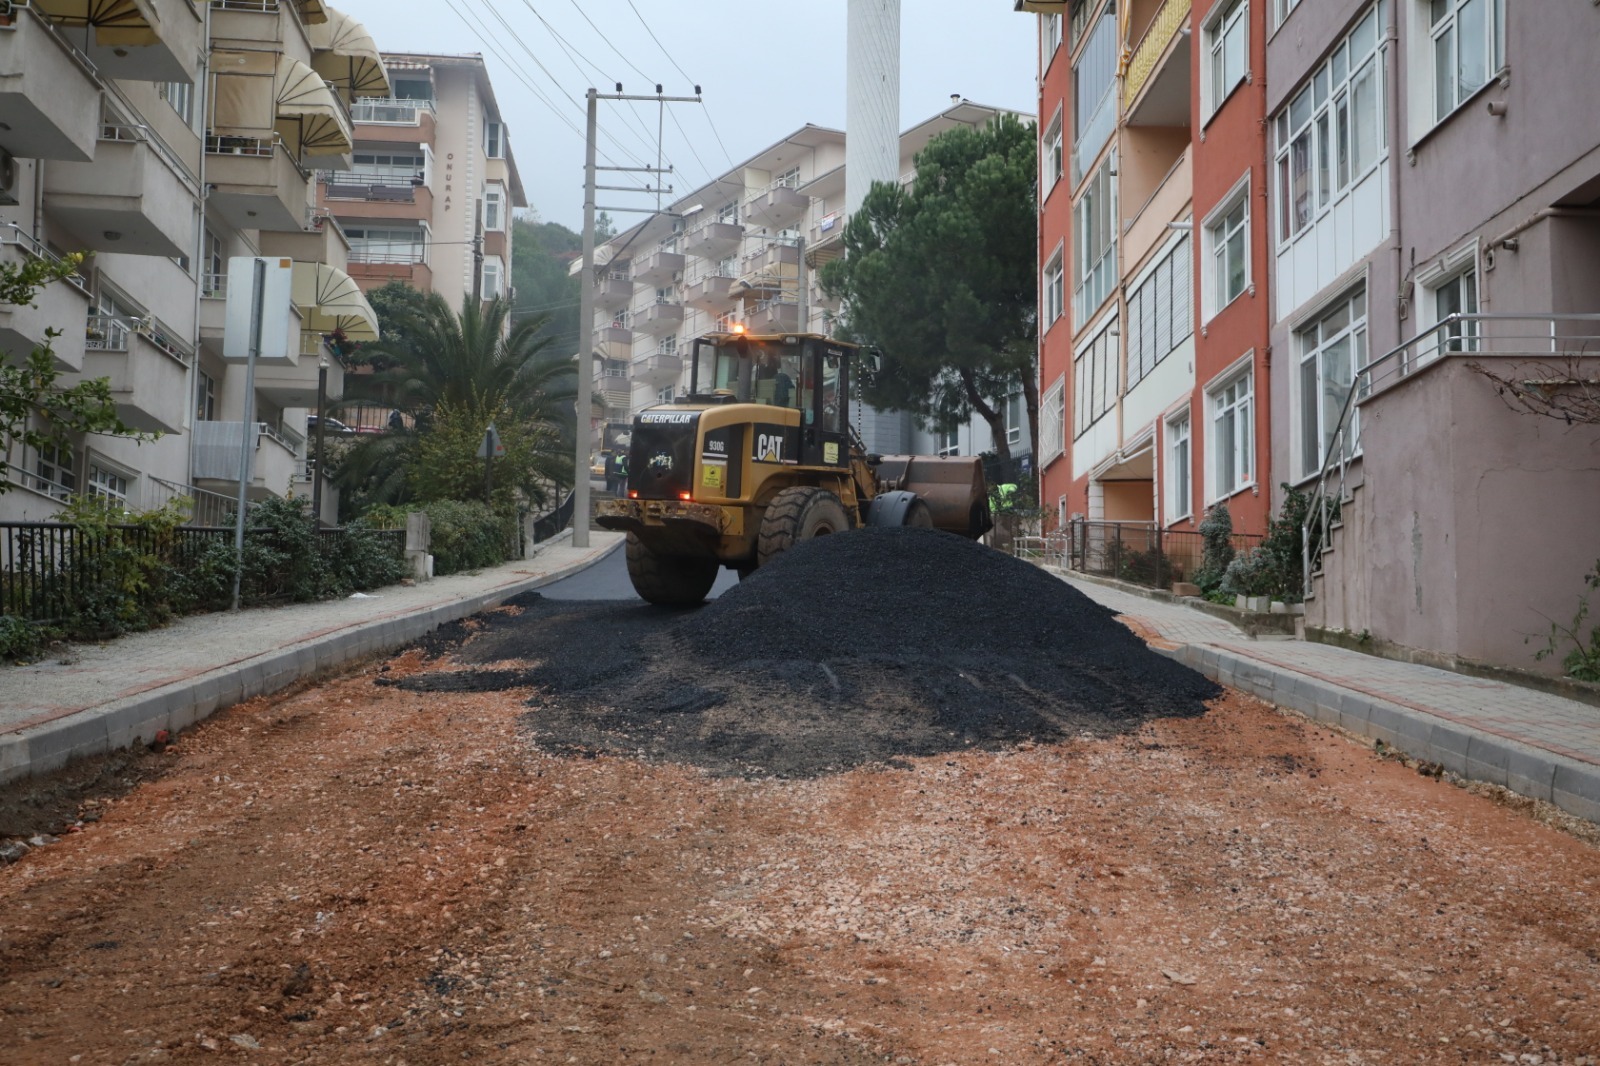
(759,455)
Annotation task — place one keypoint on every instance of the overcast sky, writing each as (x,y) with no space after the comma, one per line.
(765,67)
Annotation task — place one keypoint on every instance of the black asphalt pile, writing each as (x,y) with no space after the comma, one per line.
(869,647)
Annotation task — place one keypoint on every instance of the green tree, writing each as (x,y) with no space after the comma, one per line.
(462,367)
(396,304)
(942,278)
(36,412)
(541,255)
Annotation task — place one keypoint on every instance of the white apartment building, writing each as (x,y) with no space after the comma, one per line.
(430,196)
(166,137)
(745,248)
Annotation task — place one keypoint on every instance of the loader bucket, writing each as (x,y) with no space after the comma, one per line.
(953,487)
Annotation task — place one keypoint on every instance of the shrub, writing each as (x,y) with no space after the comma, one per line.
(19,638)
(1251,573)
(1216,534)
(466,534)
(1582,660)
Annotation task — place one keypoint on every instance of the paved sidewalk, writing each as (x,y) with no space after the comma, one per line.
(101,697)
(1531,742)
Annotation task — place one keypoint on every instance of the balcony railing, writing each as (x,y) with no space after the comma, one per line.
(1153,44)
(384,255)
(390,111)
(11,233)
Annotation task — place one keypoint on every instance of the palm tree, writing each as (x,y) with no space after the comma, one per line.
(462,361)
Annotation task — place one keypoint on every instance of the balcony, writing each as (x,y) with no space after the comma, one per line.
(379,188)
(777,208)
(658,268)
(324,242)
(825,241)
(1156,90)
(710,293)
(296,386)
(129,199)
(274,462)
(659,319)
(49,96)
(147,372)
(658,369)
(614,342)
(612,292)
(773,316)
(135,49)
(713,240)
(611,388)
(256,184)
(58,306)
(375,272)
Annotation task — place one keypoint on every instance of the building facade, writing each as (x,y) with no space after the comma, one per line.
(428,199)
(744,249)
(1381,223)
(168,138)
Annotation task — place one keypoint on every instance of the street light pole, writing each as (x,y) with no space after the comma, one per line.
(584,413)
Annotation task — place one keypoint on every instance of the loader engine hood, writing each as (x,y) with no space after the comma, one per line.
(662,456)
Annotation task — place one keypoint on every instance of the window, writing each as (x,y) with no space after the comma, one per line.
(57,471)
(1094,236)
(1228,246)
(1094,81)
(1332,133)
(413,89)
(1231,431)
(1180,496)
(1094,379)
(1331,350)
(214,270)
(1016,419)
(789,179)
(1281,9)
(1050,33)
(1466,49)
(107,484)
(950,441)
(1455,293)
(728,212)
(1054,290)
(1160,312)
(1052,157)
(401,244)
(181,96)
(205,408)
(664,394)
(1227,50)
(493,275)
(494,207)
(494,140)
(384,168)
(1053,421)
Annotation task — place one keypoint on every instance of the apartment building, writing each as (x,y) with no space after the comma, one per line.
(429,197)
(168,137)
(1384,212)
(1152,331)
(1429,162)
(745,249)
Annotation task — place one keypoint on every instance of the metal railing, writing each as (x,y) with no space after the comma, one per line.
(206,508)
(1139,552)
(1153,44)
(390,111)
(14,235)
(1481,336)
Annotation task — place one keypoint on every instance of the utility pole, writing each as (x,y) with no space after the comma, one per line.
(584,434)
(246,443)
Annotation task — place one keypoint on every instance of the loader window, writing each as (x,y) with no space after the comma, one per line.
(731,372)
(831,413)
(777,374)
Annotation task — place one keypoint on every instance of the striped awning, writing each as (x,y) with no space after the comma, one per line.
(313,12)
(330,301)
(345,54)
(309,116)
(129,23)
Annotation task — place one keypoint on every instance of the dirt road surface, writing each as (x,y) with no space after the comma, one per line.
(358,873)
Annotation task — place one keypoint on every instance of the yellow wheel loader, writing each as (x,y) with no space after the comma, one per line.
(760,455)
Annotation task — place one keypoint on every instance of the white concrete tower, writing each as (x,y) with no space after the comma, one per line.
(872,97)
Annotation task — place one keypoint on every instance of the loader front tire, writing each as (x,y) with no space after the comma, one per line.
(798,514)
(668,580)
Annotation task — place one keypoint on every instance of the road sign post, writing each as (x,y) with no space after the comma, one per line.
(491,449)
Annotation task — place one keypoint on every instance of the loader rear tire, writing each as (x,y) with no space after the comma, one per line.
(798,514)
(668,580)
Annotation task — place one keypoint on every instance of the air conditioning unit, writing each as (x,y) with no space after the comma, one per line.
(10,178)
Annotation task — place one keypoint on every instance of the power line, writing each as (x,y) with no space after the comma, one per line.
(606,39)
(712,123)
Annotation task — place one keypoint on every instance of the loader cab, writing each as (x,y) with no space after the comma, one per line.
(804,373)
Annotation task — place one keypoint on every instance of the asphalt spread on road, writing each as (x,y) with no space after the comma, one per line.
(869,647)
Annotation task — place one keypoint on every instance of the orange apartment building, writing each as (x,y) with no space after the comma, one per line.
(1154,318)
